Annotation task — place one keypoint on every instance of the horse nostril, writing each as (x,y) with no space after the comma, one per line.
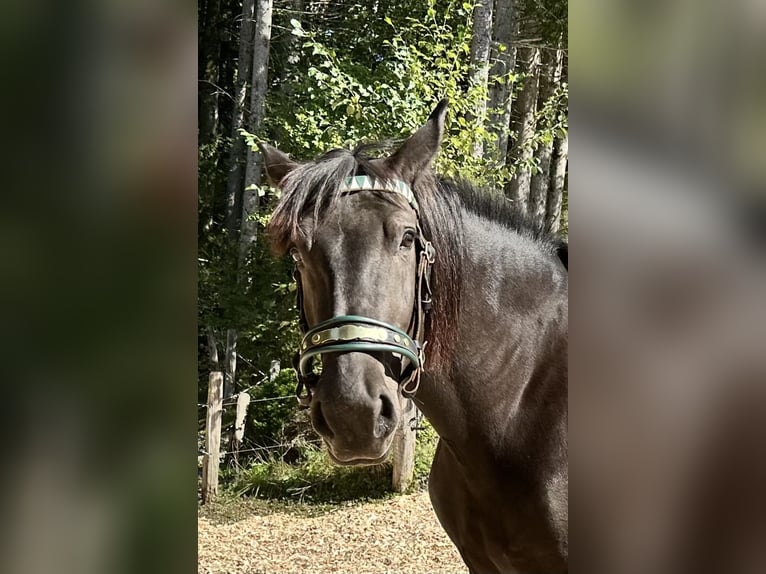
(387,408)
(320,423)
(386,419)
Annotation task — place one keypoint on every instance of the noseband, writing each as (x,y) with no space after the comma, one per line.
(355,333)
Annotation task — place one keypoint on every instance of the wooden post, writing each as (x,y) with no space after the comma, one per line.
(404,449)
(243,399)
(210,460)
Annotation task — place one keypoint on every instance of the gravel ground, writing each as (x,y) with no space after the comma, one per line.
(397,535)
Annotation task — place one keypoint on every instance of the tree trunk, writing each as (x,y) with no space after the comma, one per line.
(257,100)
(523,149)
(231,363)
(238,150)
(208,59)
(404,450)
(212,349)
(558,178)
(480,44)
(550,76)
(291,47)
(501,84)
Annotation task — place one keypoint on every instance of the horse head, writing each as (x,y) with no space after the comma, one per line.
(351,225)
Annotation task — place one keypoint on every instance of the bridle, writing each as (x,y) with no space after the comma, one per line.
(356,333)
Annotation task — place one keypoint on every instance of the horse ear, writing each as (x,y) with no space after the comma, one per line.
(278,164)
(420,149)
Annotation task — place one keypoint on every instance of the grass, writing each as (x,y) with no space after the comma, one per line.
(318,481)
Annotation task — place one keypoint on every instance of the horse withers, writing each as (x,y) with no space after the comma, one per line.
(411,285)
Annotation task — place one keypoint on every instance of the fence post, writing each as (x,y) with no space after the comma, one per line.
(404,449)
(211,457)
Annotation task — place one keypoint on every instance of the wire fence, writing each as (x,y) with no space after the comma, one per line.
(286,445)
(416,423)
(234,399)
(230,402)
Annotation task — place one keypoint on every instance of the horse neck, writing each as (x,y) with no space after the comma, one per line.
(513,312)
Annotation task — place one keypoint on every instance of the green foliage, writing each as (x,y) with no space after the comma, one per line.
(268,419)
(425,448)
(338,99)
(317,479)
(262,309)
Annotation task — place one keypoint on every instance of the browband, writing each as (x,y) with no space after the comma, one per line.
(367,183)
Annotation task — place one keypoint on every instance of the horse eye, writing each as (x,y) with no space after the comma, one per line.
(408,239)
(295,254)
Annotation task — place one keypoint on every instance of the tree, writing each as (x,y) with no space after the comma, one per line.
(479,75)
(238,151)
(522,152)
(550,78)
(208,62)
(556,189)
(504,30)
(260,69)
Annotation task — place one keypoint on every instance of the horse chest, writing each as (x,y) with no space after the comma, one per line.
(496,530)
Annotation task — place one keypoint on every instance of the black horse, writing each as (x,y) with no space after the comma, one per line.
(413,286)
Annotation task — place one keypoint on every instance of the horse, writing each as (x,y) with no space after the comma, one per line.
(415,286)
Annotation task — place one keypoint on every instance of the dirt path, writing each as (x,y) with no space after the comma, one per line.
(392,536)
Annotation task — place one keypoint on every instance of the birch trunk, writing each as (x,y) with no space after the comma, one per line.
(212,349)
(550,76)
(558,179)
(523,150)
(260,68)
(238,151)
(503,56)
(230,373)
(480,45)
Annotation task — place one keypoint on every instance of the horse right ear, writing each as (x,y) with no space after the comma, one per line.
(420,149)
(278,164)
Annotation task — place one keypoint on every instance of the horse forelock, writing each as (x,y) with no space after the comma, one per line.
(313,189)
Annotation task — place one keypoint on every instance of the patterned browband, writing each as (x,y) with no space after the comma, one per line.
(367,183)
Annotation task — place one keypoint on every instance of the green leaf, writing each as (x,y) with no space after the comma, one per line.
(297,28)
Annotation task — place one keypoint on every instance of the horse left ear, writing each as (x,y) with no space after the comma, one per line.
(277,163)
(420,149)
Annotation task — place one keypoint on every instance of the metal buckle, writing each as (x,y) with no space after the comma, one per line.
(429,252)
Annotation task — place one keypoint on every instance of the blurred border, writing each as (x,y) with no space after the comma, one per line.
(667,395)
(98,238)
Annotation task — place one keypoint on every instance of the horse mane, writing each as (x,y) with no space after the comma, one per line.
(314,188)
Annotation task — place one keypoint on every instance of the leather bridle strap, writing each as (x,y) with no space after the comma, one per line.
(355,333)
(410,378)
